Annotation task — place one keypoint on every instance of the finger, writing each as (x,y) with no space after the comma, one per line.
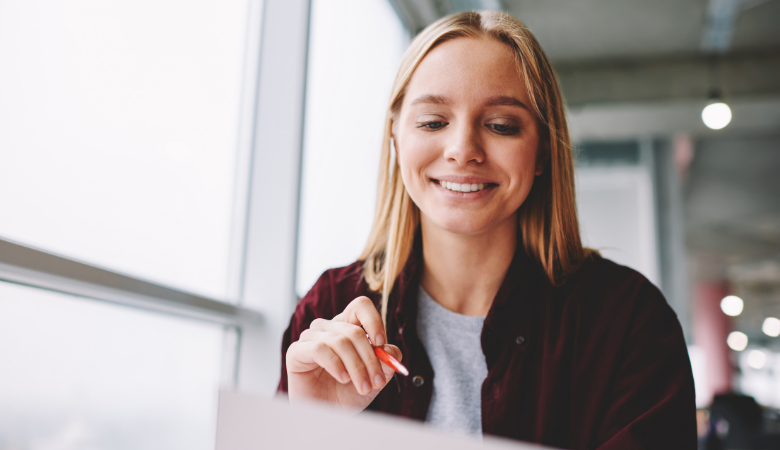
(310,352)
(318,325)
(358,337)
(363,312)
(344,347)
(359,341)
(386,368)
(307,356)
(366,351)
(326,358)
(298,359)
(312,334)
(395,351)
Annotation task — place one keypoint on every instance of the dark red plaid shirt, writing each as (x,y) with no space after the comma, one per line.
(599,362)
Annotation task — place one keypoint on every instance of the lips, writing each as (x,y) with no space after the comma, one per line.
(464,180)
(462,187)
(464,184)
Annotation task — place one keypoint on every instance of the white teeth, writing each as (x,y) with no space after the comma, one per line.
(457,187)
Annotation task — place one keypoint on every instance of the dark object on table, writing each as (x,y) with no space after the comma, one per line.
(736,422)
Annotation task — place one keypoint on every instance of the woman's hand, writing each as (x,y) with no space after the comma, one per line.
(334,361)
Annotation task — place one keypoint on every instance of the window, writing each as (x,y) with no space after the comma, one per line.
(79,373)
(118,133)
(139,272)
(355,47)
(124,133)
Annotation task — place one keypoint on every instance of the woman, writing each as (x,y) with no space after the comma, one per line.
(506,323)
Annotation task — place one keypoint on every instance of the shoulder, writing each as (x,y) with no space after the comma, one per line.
(607,292)
(631,357)
(334,290)
(600,274)
(600,279)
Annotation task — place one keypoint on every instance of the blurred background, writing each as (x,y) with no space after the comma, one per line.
(175,175)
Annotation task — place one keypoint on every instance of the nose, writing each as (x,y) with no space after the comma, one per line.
(465,146)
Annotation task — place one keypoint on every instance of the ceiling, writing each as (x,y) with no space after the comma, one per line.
(598,29)
(733,197)
(758,28)
(605,29)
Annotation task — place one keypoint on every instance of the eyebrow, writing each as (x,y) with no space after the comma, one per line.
(501,100)
(505,100)
(434,99)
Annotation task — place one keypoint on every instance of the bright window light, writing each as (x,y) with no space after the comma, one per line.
(355,49)
(737,340)
(716,115)
(771,326)
(732,305)
(118,134)
(81,374)
(756,359)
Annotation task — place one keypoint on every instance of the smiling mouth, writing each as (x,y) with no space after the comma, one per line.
(464,187)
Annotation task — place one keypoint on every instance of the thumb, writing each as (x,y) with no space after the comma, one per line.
(396,353)
(393,350)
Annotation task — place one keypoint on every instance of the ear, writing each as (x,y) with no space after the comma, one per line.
(394,146)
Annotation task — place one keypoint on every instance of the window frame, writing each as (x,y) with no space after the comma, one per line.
(264,235)
(262,259)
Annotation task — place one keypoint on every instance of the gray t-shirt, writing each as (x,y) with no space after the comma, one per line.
(453,344)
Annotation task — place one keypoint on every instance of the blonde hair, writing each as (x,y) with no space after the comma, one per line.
(548,216)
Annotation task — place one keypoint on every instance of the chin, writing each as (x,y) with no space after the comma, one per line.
(462,225)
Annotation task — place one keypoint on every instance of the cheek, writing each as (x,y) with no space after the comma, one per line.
(521,162)
(414,156)
(520,168)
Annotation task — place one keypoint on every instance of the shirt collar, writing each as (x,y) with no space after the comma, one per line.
(509,315)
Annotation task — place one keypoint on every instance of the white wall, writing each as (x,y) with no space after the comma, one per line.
(617,215)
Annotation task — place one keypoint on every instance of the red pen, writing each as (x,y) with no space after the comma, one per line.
(388,359)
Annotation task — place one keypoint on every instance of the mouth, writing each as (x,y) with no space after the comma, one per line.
(464,188)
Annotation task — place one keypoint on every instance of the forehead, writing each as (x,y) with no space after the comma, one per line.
(468,69)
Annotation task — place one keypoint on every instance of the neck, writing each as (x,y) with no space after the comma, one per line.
(464,272)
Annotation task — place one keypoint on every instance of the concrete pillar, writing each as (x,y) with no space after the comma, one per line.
(711,328)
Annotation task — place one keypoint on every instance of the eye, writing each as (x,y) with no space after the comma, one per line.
(432,125)
(501,128)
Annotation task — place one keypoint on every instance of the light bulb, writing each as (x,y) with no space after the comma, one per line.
(737,340)
(732,305)
(756,359)
(716,115)
(771,326)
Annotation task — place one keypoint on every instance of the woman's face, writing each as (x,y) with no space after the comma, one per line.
(466,122)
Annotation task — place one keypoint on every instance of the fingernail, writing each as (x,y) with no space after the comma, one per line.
(366,387)
(389,350)
(345,377)
(379,380)
(380,339)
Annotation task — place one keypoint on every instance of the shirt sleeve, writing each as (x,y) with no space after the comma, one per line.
(317,303)
(651,403)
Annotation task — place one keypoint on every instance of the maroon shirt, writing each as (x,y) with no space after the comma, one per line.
(598,362)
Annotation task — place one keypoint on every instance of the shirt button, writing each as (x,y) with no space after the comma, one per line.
(520,340)
(417,381)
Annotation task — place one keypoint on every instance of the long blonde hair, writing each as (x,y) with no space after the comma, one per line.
(547,218)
